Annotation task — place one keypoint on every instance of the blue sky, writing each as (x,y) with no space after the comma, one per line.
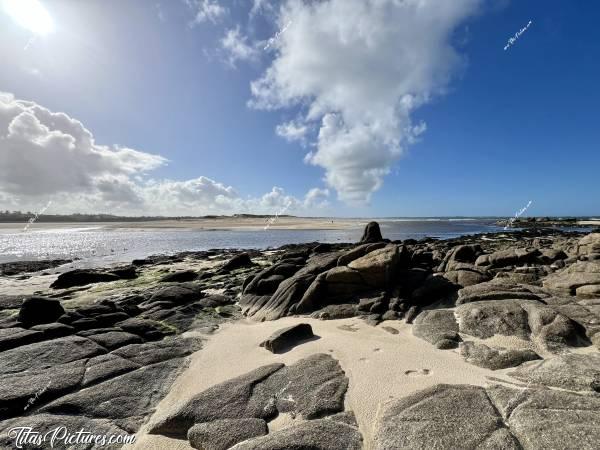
(177,129)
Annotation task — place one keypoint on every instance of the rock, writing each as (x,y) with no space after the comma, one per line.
(48,353)
(335,312)
(125,272)
(589,291)
(312,387)
(467,277)
(233,399)
(16,337)
(103,367)
(378,267)
(371,234)
(224,434)
(54,330)
(177,294)
(495,358)
(526,319)
(549,419)
(18,267)
(437,327)
(503,258)
(143,327)
(434,289)
(137,393)
(460,254)
(109,319)
(357,252)
(570,371)
(37,310)
(589,245)
(47,423)
(498,289)
(115,339)
(81,277)
(390,315)
(154,352)
(442,417)
(412,313)
(237,262)
(287,338)
(322,434)
(20,391)
(570,279)
(179,277)
(269,284)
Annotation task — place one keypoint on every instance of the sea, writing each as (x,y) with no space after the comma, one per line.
(93,246)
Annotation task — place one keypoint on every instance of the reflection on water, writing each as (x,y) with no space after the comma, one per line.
(96,246)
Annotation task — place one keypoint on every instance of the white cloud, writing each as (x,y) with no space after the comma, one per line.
(237,48)
(292,131)
(47,155)
(44,152)
(361,68)
(207,10)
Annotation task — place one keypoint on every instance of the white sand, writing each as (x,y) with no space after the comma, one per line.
(380,365)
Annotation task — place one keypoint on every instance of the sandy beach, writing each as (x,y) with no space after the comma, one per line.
(380,366)
(220,223)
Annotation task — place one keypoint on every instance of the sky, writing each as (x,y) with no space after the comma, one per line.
(353,108)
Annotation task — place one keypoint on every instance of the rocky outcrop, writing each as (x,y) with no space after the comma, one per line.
(311,388)
(472,417)
(510,257)
(589,246)
(578,279)
(444,417)
(371,234)
(570,371)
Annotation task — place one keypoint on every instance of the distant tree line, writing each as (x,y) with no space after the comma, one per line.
(18,216)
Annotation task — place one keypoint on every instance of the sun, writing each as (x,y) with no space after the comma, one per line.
(30,14)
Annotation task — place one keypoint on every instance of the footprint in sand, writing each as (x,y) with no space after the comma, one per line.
(377,350)
(364,359)
(417,373)
(348,328)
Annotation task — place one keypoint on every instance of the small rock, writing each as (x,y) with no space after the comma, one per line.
(38,310)
(287,338)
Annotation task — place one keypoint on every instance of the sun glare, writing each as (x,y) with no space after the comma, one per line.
(30,14)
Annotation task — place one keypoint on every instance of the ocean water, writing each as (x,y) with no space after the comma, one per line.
(95,246)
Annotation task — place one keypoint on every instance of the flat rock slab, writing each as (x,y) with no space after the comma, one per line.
(571,371)
(549,419)
(224,434)
(323,434)
(15,337)
(495,358)
(48,353)
(287,338)
(45,423)
(443,417)
(311,388)
(125,399)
